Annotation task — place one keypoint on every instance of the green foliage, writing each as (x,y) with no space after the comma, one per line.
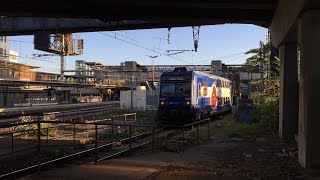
(259,57)
(31,129)
(235,129)
(262,61)
(266,105)
(203,134)
(75,99)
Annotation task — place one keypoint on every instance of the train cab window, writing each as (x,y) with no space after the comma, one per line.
(199,89)
(218,83)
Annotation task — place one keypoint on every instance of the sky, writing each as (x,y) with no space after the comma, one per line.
(218,42)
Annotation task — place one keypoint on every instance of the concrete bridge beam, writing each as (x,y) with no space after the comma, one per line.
(309,113)
(289,92)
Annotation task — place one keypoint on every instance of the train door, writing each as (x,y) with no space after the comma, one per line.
(199,90)
(194,91)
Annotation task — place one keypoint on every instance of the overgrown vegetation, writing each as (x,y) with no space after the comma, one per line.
(147,117)
(266,100)
(235,129)
(31,129)
(266,106)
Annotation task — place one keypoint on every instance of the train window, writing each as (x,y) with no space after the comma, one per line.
(199,89)
(205,91)
(218,83)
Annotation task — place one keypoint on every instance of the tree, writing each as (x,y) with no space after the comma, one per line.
(260,58)
(263,61)
(266,107)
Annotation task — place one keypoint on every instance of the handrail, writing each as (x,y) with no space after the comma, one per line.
(195,123)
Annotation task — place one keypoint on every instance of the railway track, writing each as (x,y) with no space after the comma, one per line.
(67,115)
(100,151)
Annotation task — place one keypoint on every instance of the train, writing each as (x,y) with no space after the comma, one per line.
(188,96)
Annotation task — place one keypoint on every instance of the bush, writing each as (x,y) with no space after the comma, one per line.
(235,129)
(266,106)
(31,129)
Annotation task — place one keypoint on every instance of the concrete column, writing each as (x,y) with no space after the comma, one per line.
(309,87)
(289,92)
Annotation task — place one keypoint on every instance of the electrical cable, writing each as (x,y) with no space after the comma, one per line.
(135,44)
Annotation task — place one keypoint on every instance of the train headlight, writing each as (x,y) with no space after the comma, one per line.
(188,102)
(161,102)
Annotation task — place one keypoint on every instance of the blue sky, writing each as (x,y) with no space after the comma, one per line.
(225,42)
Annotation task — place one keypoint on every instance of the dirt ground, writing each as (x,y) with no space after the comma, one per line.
(240,158)
(219,158)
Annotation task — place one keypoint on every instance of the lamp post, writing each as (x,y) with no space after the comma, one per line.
(153,57)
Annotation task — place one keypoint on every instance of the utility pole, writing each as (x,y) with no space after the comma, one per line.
(62,59)
(153,57)
(132,79)
(152,71)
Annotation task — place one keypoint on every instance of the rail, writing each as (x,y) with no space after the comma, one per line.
(66,115)
(97,144)
(149,135)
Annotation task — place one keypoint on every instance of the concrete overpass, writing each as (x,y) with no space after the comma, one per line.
(25,17)
(292,23)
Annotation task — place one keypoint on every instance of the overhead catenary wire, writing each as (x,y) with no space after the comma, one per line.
(135,44)
(222,57)
(28,42)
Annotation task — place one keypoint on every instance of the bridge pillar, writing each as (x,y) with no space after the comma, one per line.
(289,89)
(309,98)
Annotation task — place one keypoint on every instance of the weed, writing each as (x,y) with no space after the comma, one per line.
(31,129)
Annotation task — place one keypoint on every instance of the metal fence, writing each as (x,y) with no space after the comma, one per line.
(41,137)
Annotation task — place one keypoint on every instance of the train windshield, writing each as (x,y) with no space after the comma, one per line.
(176,89)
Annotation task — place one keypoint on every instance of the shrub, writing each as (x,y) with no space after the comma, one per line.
(31,129)
(266,106)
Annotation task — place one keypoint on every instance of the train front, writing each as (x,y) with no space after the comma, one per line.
(175,98)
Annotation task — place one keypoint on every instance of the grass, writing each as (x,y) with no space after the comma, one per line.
(148,117)
(203,134)
(231,128)
(236,129)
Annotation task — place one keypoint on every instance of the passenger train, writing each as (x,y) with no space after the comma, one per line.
(188,96)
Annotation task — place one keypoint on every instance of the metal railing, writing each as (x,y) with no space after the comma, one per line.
(196,124)
(124,133)
(99,128)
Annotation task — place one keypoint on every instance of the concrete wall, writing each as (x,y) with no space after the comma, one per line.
(142,100)
(247,76)
(4,48)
